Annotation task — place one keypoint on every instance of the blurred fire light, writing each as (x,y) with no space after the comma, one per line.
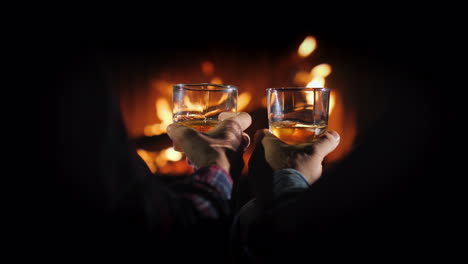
(243,101)
(157,160)
(216,80)
(307,46)
(322,70)
(318,75)
(172,155)
(207,68)
(169,161)
(164,113)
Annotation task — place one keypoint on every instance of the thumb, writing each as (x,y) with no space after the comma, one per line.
(181,134)
(327,143)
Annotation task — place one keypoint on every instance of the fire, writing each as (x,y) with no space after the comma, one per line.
(154,129)
(332,101)
(319,73)
(302,77)
(171,154)
(306,74)
(158,160)
(164,113)
(216,80)
(317,81)
(193,106)
(243,101)
(307,47)
(322,70)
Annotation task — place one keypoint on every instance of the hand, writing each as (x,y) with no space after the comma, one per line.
(223,145)
(306,158)
(272,154)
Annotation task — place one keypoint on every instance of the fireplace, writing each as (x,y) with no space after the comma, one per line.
(145,91)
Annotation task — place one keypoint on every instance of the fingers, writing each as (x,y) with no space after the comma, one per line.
(277,152)
(181,134)
(327,143)
(231,127)
(270,140)
(242,118)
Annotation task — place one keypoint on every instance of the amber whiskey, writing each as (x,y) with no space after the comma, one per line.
(293,132)
(200,125)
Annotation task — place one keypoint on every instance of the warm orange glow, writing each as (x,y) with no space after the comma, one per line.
(250,75)
(151,130)
(332,102)
(207,67)
(192,106)
(166,161)
(160,160)
(317,81)
(216,80)
(302,78)
(243,101)
(322,70)
(148,159)
(307,47)
(163,111)
(172,155)
(264,101)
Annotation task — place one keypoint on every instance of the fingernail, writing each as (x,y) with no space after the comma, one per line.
(334,134)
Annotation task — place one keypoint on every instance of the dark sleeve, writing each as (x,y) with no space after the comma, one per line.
(374,196)
(103,189)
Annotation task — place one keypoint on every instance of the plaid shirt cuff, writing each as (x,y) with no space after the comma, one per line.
(215,185)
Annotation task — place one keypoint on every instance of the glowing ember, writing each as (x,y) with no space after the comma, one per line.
(307,47)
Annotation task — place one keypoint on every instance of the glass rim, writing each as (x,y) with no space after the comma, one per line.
(298,89)
(202,86)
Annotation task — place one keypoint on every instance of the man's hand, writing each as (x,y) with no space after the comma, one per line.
(271,154)
(223,145)
(306,158)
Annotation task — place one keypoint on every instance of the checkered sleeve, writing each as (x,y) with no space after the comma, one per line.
(212,188)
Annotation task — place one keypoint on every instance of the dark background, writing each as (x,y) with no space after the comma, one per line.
(390,61)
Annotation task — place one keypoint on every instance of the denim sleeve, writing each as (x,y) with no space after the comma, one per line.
(288,180)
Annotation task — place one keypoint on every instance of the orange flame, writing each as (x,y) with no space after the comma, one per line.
(193,106)
(307,46)
(164,113)
(319,73)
